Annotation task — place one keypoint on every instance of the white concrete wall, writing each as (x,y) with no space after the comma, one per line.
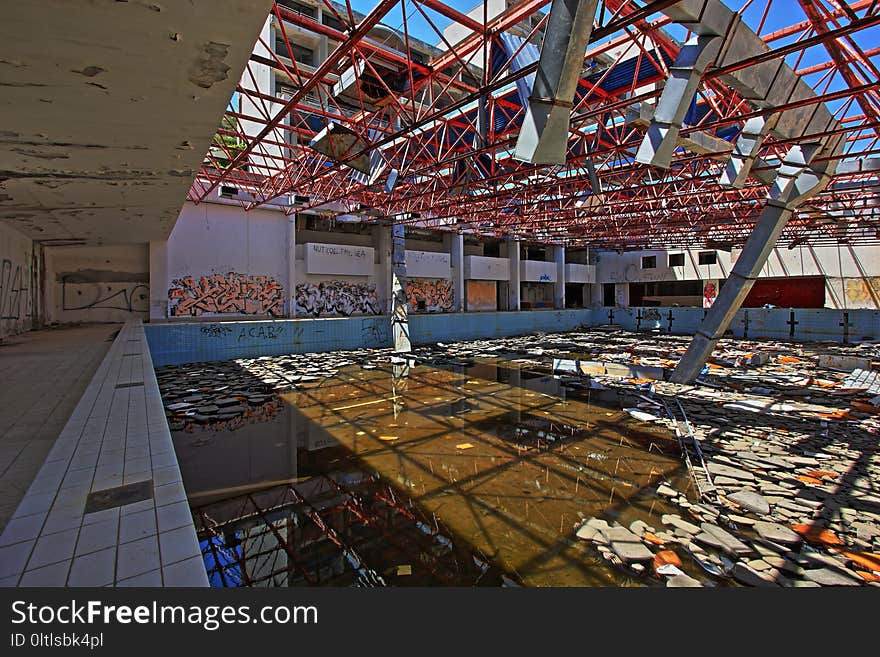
(852,273)
(265,83)
(18,279)
(485,268)
(338,259)
(97,283)
(211,240)
(427,264)
(575,273)
(159,280)
(626,267)
(223,261)
(537,271)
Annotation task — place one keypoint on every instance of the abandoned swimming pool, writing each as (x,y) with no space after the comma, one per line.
(391,471)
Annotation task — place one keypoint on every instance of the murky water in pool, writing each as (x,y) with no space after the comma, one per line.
(415,476)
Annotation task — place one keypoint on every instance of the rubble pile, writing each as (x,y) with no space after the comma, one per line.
(789,440)
(206,393)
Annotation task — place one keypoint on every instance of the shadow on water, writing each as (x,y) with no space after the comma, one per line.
(462,474)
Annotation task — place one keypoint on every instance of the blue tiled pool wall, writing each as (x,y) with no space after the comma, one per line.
(177,343)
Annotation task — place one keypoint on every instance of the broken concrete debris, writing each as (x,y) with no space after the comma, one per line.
(208,393)
(790,435)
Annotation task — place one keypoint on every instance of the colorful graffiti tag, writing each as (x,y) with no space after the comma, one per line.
(710,291)
(231,293)
(336,298)
(427,295)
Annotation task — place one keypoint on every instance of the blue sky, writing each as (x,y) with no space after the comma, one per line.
(782,14)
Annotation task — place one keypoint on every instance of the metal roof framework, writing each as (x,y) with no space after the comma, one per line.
(442,133)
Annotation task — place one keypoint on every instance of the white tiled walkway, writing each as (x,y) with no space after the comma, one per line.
(117,435)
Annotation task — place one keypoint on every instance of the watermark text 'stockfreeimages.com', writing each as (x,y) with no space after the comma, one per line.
(209,617)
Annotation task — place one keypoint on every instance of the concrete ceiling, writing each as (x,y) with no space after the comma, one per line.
(108,107)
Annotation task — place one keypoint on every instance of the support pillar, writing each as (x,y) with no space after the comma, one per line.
(543,138)
(795,183)
(513,288)
(382,244)
(456,253)
(559,286)
(399,317)
(158,280)
(291,265)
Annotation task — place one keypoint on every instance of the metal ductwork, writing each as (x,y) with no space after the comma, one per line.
(543,138)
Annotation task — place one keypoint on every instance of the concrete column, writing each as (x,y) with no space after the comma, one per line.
(456,254)
(621,294)
(399,318)
(291,265)
(159,280)
(596,294)
(513,288)
(382,244)
(559,288)
(795,182)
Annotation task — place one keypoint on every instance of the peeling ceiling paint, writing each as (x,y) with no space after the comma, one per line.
(109,107)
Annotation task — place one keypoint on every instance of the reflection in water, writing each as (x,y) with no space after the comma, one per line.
(415,475)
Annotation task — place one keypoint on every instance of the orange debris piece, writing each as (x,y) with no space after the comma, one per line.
(864,407)
(809,480)
(868,577)
(822,474)
(869,560)
(788,359)
(666,557)
(837,415)
(653,539)
(817,535)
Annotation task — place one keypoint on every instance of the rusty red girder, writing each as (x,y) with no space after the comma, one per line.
(448,126)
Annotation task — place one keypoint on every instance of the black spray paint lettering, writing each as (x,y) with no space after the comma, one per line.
(216,330)
(13,291)
(261,332)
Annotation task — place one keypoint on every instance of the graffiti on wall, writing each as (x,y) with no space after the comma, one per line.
(97,291)
(231,293)
(15,300)
(710,291)
(336,298)
(863,292)
(427,295)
